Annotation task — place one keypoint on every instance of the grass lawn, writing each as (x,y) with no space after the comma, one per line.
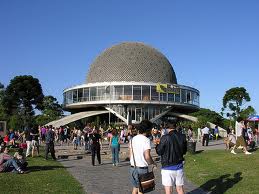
(43,177)
(219,171)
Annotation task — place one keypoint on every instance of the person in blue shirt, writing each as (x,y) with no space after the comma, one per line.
(114,145)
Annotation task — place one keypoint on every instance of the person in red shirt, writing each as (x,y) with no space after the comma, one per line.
(6,139)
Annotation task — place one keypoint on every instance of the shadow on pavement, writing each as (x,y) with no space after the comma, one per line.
(219,185)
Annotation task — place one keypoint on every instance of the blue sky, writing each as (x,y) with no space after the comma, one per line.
(212,45)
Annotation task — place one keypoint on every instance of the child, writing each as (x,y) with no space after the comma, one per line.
(6,139)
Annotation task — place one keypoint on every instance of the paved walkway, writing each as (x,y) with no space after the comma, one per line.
(107,179)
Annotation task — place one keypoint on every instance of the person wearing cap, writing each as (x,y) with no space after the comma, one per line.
(140,157)
(171,148)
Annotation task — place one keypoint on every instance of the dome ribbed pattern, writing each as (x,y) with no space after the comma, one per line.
(131,61)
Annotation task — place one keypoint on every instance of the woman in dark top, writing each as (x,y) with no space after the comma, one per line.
(95,141)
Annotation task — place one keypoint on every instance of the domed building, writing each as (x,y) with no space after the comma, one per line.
(132,82)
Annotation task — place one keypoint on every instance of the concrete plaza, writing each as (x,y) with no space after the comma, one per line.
(108,179)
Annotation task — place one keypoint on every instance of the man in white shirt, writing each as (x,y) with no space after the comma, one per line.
(205,135)
(140,156)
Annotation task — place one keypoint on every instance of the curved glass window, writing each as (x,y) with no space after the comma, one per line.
(75,99)
(118,93)
(80,95)
(86,94)
(128,92)
(146,93)
(163,96)
(154,94)
(136,92)
(195,98)
(183,96)
(93,92)
(177,96)
(132,92)
(189,97)
(170,97)
(101,92)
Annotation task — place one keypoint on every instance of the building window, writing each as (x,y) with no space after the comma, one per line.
(163,96)
(127,92)
(107,92)
(195,98)
(75,99)
(154,94)
(177,96)
(146,93)
(93,92)
(145,113)
(80,95)
(170,97)
(118,92)
(183,96)
(136,92)
(101,92)
(86,94)
(189,97)
(70,97)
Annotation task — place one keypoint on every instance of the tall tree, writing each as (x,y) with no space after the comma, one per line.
(246,112)
(22,96)
(52,110)
(1,86)
(233,101)
(3,116)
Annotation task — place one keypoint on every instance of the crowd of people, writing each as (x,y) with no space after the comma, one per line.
(170,142)
(243,137)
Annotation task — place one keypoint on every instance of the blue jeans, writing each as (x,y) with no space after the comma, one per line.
(87,145)
(134,172)
(78,140)
(10,165)
(115,154)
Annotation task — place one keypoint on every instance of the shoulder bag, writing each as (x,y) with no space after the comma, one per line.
(147,180)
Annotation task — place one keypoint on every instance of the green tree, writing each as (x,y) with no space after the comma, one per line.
(233,101)
(52,110)
(207,115)
(22,96)
(204,116)
(245,113)
(1,86)
(15,122)
(3,116)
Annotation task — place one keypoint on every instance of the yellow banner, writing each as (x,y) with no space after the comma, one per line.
(161,88)
(166,88)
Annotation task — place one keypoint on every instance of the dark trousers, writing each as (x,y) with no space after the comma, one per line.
(95,149)
(205,138)
(50,148)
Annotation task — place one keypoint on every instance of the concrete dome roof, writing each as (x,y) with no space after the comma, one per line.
(131,61)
